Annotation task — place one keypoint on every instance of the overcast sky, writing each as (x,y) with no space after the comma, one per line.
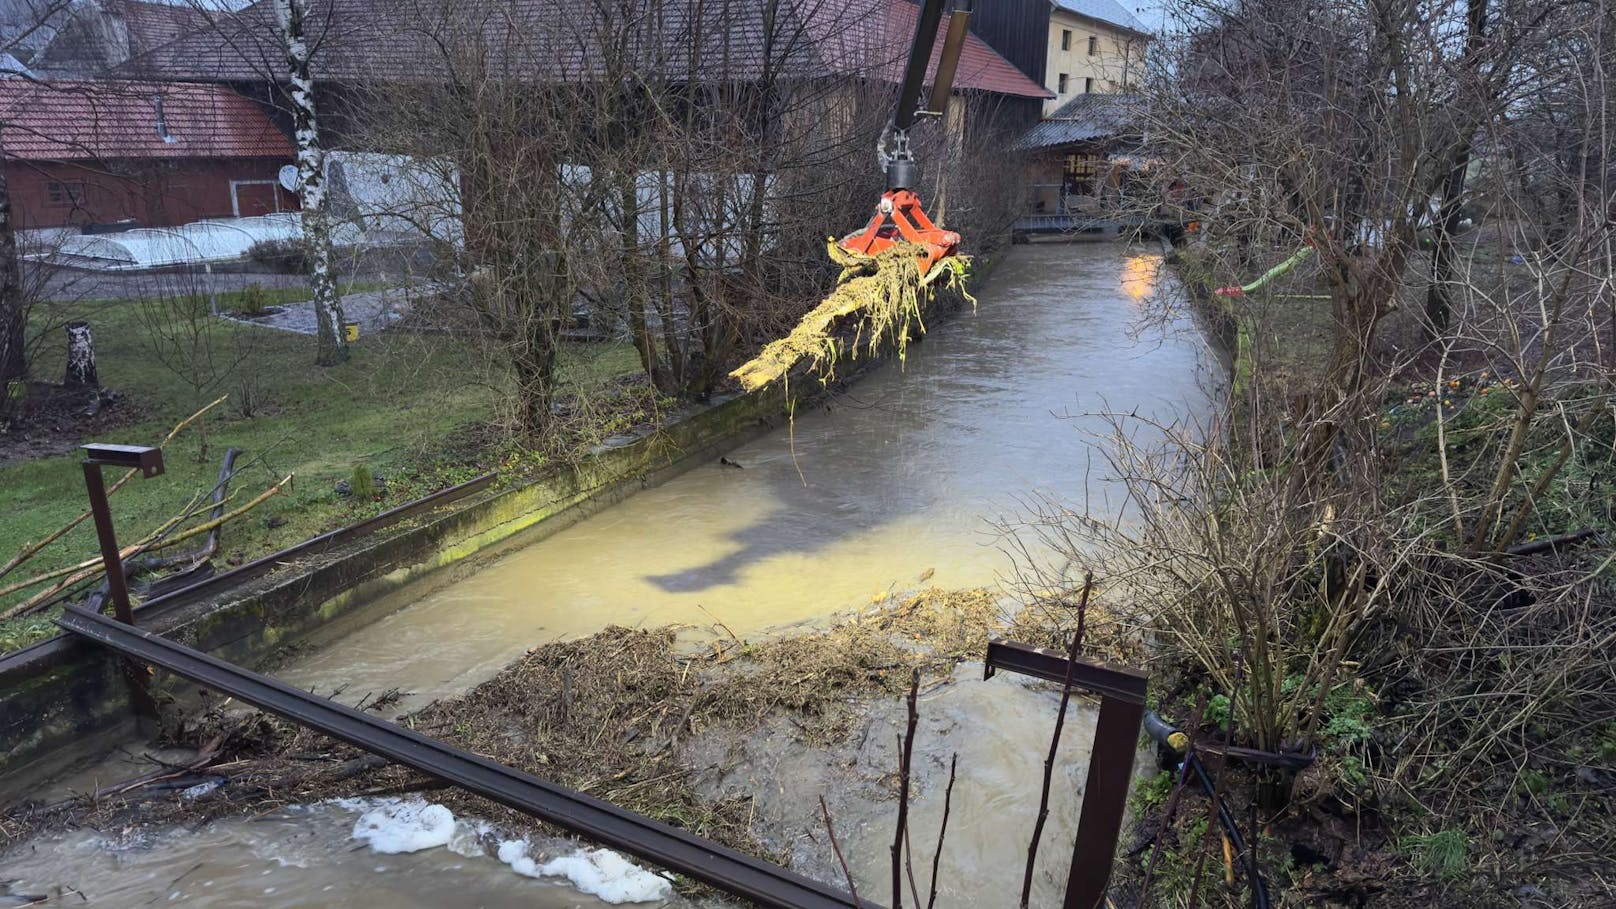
(1149,12)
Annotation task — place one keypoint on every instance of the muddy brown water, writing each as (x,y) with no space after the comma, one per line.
(898,479)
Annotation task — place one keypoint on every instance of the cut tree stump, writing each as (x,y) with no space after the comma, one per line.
(80,357)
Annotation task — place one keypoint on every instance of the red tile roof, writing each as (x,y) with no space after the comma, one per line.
(369,40)
(63,121)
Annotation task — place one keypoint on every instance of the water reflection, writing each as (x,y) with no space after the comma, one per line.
(1139,276)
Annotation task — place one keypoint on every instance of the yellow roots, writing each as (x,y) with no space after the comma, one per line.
(886,290)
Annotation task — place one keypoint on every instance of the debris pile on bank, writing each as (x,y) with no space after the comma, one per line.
(607,715)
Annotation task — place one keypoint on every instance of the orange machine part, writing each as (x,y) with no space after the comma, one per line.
(909,223)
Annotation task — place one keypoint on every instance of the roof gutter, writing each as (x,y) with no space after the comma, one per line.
(1147,37)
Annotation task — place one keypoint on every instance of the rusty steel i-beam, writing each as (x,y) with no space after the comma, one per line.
(1116,737)
(763,883)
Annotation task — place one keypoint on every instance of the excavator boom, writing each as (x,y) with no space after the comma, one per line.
(899,216)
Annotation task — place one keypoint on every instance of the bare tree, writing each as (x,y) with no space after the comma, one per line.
(36,17)
(1297,537)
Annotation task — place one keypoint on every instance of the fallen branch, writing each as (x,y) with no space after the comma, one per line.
(33,549)
(889,300)
(152,542)
(200,529)
(203,758)
(83,571)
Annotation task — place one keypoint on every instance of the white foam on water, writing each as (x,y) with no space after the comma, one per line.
(393,826)
(467,840)
(600,872)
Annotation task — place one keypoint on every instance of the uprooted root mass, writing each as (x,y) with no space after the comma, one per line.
(886,292)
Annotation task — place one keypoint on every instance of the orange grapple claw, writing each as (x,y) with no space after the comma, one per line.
(908,224)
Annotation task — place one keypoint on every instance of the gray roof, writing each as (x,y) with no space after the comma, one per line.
(1086,118)
(28,25)
(1106,11)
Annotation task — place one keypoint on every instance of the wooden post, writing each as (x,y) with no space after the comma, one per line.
(80,357)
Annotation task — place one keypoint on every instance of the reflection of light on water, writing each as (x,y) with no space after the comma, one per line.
(1139,276)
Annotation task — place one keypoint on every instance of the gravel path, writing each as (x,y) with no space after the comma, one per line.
(374,310)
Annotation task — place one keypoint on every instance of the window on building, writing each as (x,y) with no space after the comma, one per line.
(1081,174)
(61,193)
(1088,85)
(1060,84)
(162,119)
(1066,39)
(1094,45)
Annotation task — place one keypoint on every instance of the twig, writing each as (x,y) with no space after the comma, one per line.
(719,623)
(942,830)
(1054,740)
(203,758)
(907,745)
(33,549)
(852,888)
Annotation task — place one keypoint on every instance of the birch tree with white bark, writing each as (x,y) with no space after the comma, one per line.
(311,189)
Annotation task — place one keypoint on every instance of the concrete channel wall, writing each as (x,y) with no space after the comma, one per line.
(66,700)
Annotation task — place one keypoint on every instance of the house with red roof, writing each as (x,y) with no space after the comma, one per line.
(81,153)
(381,42)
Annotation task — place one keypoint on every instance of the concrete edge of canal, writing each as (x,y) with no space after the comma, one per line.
(63,702)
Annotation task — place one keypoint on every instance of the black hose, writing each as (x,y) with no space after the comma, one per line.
(1164,734)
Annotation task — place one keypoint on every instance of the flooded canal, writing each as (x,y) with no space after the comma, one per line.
(900,476)
(898,480)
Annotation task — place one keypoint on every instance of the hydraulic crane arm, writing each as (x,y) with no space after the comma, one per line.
(899,203)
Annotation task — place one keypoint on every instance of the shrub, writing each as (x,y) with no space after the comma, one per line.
(363,482)
(284,256)
(254,300)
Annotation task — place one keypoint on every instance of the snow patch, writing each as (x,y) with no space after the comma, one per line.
(600,872)
(395,826)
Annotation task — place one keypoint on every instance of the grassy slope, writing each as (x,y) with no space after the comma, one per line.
(401,406)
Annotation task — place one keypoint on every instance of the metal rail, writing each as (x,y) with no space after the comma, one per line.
(1116,737)
(28,662)
(763,883)
(1120,682)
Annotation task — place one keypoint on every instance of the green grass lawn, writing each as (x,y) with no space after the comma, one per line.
(412,407)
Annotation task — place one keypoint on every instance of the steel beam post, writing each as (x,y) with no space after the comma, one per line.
(1116,737)
(101,513)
